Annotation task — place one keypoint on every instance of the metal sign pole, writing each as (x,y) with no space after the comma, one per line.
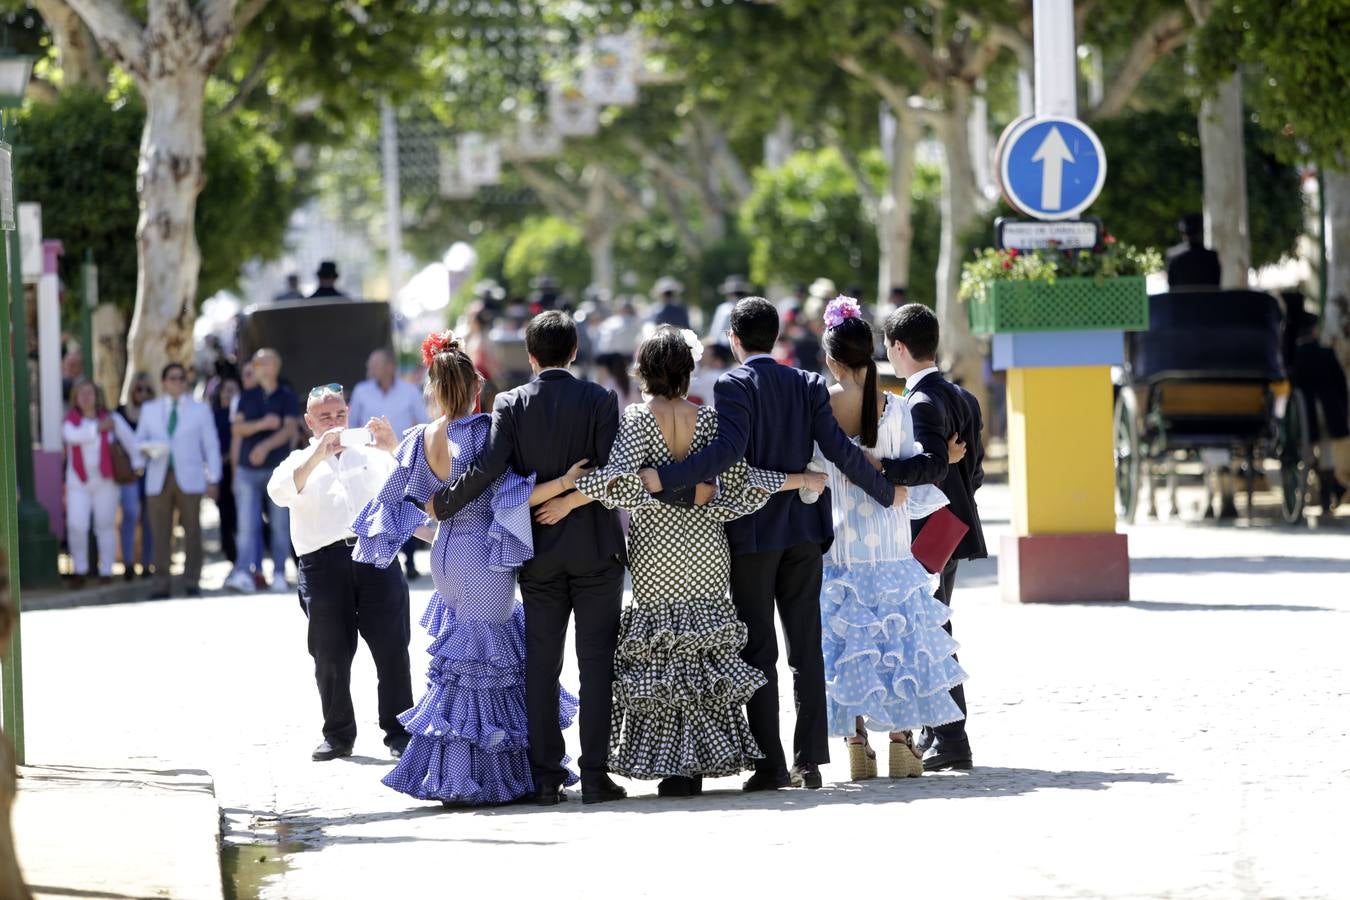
(12,673)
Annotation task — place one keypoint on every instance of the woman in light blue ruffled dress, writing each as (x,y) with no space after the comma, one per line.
(468,731)
(889,664)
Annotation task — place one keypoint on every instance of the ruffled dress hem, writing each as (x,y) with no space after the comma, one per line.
(887,656)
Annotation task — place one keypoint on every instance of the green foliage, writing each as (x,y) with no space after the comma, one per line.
(77,157)
(1299,51)
(1108,260)
(806,221)
(1155,177)
(548,246)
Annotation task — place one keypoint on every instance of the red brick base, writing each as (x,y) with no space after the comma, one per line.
(1064,568)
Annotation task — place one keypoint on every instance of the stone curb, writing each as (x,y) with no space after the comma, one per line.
(118,832)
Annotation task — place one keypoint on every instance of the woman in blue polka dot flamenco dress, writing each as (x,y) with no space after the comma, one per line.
(468,731)
(889,665)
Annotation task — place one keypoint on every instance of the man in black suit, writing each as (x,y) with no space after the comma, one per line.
(940,409)
(773,416)
(544,427)
(1191,263)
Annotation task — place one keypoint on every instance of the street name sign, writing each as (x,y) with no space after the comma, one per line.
(1050,167)
(1072,234)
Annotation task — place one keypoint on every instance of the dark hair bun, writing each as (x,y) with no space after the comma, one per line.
(665,363)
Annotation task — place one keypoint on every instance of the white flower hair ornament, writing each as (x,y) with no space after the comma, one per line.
(841,308)
(693,343)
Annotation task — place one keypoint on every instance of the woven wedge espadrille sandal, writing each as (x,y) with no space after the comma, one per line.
(906,761)
(862,762)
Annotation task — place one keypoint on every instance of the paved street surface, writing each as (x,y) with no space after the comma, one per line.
(1191,743)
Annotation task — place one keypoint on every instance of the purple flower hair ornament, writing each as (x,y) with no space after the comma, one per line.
(841,308)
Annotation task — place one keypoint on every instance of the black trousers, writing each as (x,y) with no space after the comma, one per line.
(344,599)
(552,592)
(954,732)
(792,578)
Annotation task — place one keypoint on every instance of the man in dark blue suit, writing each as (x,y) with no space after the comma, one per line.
(773,416)
(940,409)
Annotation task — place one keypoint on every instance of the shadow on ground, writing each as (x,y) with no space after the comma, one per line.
(301,829)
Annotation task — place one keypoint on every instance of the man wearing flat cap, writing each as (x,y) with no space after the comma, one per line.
(328,276)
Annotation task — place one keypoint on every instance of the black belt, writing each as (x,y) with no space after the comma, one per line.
(341,544)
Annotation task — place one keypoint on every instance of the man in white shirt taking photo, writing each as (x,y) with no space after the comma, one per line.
(325,485)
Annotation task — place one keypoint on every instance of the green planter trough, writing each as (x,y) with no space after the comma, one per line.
(1067,304)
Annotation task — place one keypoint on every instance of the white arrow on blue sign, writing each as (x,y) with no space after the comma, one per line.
(1050,167)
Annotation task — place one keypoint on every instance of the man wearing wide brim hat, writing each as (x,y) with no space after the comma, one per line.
(732,289)
(670,309)
(328,276)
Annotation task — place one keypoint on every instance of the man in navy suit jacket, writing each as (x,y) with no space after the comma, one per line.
(773,417)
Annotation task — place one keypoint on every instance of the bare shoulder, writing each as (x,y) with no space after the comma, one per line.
(435,443)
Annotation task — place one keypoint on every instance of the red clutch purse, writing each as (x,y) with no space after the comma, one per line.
(937,540)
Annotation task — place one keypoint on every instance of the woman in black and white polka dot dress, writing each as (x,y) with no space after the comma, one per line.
(680,685)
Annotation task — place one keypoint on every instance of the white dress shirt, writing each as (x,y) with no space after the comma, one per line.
(403,405)
(337,489)
(194,449)
(912,381)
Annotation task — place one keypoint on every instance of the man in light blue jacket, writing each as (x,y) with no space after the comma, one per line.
(177,435)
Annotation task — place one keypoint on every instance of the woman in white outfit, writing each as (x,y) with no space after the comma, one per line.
(888,664)
(91,493)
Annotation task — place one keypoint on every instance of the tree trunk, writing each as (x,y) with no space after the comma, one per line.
(1336,327)
(1337,223)
(895,228)
(169,178)
(1225,173)
(960,351)
(81,63)
(600,244)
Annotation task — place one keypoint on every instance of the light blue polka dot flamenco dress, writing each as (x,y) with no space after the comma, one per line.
(887,657)
(469,743)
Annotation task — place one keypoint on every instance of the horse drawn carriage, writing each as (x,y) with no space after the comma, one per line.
(320,340)
(1206,383)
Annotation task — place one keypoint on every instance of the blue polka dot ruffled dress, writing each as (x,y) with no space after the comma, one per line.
(887,657)
(468,731)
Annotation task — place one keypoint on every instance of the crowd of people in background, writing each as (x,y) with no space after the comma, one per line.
(255,415)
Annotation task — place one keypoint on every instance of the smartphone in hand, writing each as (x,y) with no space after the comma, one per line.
(356,437)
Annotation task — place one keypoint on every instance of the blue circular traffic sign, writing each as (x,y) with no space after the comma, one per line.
(1050,167)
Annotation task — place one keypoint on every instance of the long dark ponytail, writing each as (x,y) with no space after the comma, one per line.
(850,344)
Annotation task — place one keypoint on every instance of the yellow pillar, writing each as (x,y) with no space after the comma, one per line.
(1061,467)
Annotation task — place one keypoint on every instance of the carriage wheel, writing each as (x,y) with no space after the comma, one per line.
(1295,451)
(1128,455)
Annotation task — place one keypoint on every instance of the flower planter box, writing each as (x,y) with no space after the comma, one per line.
(1067,304)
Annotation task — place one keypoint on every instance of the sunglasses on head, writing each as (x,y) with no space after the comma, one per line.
(320,390)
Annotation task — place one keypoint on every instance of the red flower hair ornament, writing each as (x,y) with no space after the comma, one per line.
(436,344)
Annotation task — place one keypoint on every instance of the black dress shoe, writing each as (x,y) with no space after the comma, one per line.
(766,780)
(601,790)
(807,776)
(397,747)
(328,750)
(193,591)
(680,786)
(941,757)
(549,795)
(160,595)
